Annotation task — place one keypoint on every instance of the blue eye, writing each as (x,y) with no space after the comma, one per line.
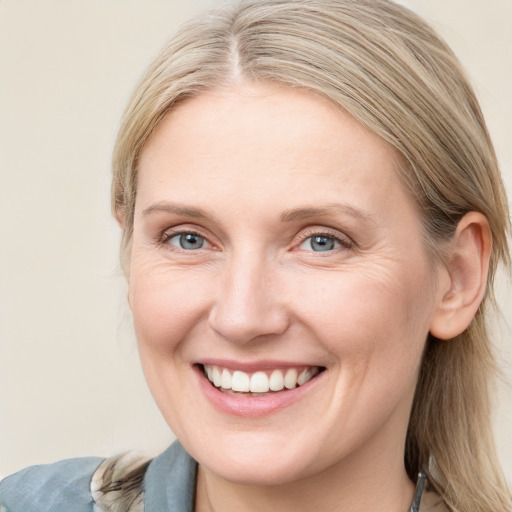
(187,241)
(320,243)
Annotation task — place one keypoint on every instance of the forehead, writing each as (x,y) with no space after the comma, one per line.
(262,141)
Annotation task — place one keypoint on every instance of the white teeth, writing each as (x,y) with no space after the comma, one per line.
(290,379)
(304,376)
(240,381)
(225,379)
(216,377)
(258,382)
(276,380)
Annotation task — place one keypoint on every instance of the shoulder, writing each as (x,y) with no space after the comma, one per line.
(95,484)
(58,487)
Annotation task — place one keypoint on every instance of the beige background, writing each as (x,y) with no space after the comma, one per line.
(70,382)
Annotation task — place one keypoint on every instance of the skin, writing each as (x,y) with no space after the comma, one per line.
(245,156)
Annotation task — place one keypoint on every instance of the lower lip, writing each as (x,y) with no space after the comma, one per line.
(253,406)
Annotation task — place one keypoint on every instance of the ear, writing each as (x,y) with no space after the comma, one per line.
(464,277)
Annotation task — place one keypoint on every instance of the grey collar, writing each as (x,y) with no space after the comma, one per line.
(170,481)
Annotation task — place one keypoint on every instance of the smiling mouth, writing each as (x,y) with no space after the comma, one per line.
(237,382)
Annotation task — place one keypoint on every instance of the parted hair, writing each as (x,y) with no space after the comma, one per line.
(387,68)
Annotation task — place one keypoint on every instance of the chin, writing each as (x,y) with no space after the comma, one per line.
(256,463)
(261,472)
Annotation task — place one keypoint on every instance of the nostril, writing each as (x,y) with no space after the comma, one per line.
(247,326)
(248,305)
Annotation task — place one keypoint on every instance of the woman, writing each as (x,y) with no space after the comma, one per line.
(312,217)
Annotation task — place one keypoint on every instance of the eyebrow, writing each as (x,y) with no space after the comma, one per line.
(167,207)
(309,212)
(287,216)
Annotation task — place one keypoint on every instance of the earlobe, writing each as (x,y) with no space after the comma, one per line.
(463,285)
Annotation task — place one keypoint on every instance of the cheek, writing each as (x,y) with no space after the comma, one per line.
(166,306)
(375,328)
(369,313)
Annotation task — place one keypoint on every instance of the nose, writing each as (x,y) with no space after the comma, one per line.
(248,304)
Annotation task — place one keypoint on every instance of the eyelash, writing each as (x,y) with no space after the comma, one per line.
(168,235)
(344,241)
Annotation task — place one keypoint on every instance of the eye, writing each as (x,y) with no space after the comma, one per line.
(187,241)
(320,243)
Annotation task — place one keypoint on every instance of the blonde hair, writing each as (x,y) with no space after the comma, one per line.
(387,68)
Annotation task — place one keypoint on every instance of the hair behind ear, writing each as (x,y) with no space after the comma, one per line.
(449,435)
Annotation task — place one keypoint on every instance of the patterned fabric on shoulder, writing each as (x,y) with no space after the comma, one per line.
(117,484)
(50,487)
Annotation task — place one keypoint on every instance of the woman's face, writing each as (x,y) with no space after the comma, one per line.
(275,248)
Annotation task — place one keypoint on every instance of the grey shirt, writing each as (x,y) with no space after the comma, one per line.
(169,485)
